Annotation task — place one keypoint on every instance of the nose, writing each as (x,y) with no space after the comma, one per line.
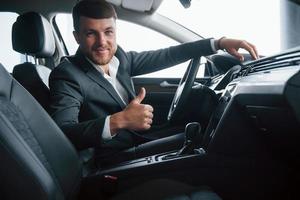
(101,39)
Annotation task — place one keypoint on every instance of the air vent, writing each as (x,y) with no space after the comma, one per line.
(288,58)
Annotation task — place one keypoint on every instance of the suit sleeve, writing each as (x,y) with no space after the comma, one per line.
(151,61)
(66,100)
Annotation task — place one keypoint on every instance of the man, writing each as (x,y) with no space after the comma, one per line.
(93,99)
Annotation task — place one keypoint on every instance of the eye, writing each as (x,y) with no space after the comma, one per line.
(109,32)
(90,33)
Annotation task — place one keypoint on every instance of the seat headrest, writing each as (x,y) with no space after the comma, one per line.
(32,34)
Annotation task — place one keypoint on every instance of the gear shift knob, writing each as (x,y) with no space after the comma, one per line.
(191,131)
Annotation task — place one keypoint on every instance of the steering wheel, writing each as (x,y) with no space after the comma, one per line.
(183,90)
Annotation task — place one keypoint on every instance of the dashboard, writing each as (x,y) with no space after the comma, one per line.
(257,113)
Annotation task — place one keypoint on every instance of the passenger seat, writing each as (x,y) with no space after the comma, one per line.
(32,35)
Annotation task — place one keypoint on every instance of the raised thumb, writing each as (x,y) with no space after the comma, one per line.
(140,97)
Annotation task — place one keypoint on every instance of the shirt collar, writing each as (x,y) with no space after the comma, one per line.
(113,66)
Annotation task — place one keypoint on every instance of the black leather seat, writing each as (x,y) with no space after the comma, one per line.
(32,35)
(38,162)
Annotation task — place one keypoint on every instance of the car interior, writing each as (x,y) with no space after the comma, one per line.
(240,120)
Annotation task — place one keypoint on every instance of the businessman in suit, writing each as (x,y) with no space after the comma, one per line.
(92,94)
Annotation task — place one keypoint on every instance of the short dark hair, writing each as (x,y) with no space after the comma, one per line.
(92,9)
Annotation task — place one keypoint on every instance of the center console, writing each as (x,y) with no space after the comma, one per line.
(189,156)
(152,164)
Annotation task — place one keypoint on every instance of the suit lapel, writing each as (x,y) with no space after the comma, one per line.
(97,77)
(125,81)
(124,77)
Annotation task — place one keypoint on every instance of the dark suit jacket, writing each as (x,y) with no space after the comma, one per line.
(81,97)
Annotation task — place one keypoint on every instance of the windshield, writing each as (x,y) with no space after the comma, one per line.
(255,21)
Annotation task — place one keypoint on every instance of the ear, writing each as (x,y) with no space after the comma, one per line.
(76,36)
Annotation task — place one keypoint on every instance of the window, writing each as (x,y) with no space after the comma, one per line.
(8,57)
(231,18)
(131,37)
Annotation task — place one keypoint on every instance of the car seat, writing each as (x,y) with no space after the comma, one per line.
(32,35)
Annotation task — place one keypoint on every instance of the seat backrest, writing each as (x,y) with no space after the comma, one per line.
(37,160)
(32,35)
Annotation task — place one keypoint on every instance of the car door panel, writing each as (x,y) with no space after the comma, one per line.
(159,94)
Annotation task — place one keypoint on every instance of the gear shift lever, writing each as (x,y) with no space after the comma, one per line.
(191,131)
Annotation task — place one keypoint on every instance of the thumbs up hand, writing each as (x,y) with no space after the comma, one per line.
(136,116)
(140,97)
(139,116)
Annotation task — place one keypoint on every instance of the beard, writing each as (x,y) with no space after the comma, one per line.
(100,58)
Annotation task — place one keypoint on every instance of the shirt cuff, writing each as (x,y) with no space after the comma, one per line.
(106,134)
(213,45)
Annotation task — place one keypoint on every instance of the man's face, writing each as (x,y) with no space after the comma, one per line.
(97,39)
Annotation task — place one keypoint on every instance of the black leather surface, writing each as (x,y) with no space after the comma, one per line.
(23,168)
(26,74)
(32,34)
